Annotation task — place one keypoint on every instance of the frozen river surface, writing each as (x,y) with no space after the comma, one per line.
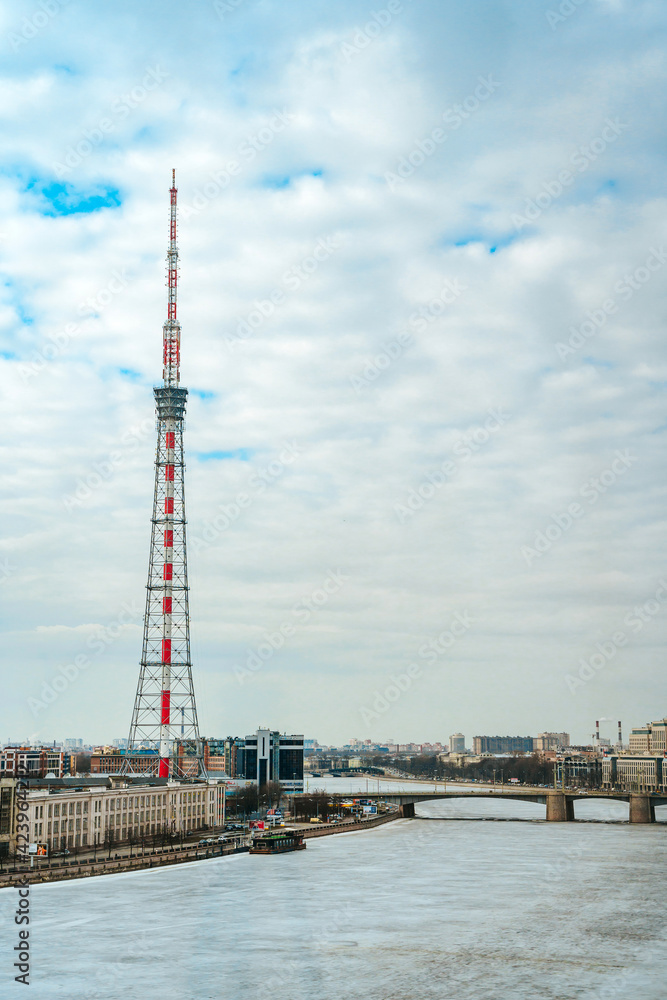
(415,910)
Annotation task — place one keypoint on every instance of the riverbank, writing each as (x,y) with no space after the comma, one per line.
(162,857)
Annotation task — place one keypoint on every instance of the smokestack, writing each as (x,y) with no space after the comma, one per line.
(597,730)
(620,733)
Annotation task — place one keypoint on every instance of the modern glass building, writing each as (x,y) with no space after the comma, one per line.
(274,756)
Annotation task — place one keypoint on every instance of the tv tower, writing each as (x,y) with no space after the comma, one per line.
(164,719)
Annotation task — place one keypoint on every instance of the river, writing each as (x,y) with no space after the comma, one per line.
(443,907)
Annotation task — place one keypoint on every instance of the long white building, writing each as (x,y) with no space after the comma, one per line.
(64,817)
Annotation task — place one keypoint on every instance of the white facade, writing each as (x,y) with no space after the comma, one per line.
(635,772)
(66,818)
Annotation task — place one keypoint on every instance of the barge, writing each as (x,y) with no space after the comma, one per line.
(278,843)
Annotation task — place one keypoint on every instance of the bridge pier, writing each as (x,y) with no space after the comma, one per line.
(642,810)
(407,811)
(560,808)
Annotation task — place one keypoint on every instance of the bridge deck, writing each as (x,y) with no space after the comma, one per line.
(539,795)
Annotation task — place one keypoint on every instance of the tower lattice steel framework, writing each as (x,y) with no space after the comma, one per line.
(164,719)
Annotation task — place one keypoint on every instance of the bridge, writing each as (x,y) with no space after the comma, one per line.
(559,803)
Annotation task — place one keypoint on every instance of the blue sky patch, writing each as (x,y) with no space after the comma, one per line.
(58,198)
(597,362)
(277,181)
(203,393)
(240,454)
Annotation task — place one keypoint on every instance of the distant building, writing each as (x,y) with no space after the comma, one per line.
(32,762)
(502,744)
(72,744)
(7,816)
(551,741)
(651,738)
(142,762)
(457,743)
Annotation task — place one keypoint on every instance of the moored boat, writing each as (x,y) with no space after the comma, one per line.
(278,843)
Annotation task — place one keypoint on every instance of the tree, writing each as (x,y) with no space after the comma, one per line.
(82,763)
(243,802)
(270,794)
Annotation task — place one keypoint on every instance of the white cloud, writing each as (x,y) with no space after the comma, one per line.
(360,454)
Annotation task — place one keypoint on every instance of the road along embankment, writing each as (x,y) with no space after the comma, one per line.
(324,829)
(159,858)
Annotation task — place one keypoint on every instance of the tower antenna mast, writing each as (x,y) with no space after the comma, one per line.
(165,691)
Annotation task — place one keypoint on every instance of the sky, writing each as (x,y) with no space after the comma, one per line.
(423,250)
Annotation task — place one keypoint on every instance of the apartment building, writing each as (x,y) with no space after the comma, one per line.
(651,738)
(551,741)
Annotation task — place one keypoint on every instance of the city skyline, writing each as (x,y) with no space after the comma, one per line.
(425,433)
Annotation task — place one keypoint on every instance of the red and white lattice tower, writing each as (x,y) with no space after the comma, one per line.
(164,720)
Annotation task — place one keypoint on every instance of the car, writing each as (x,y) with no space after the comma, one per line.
(59,854)
(206,842)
